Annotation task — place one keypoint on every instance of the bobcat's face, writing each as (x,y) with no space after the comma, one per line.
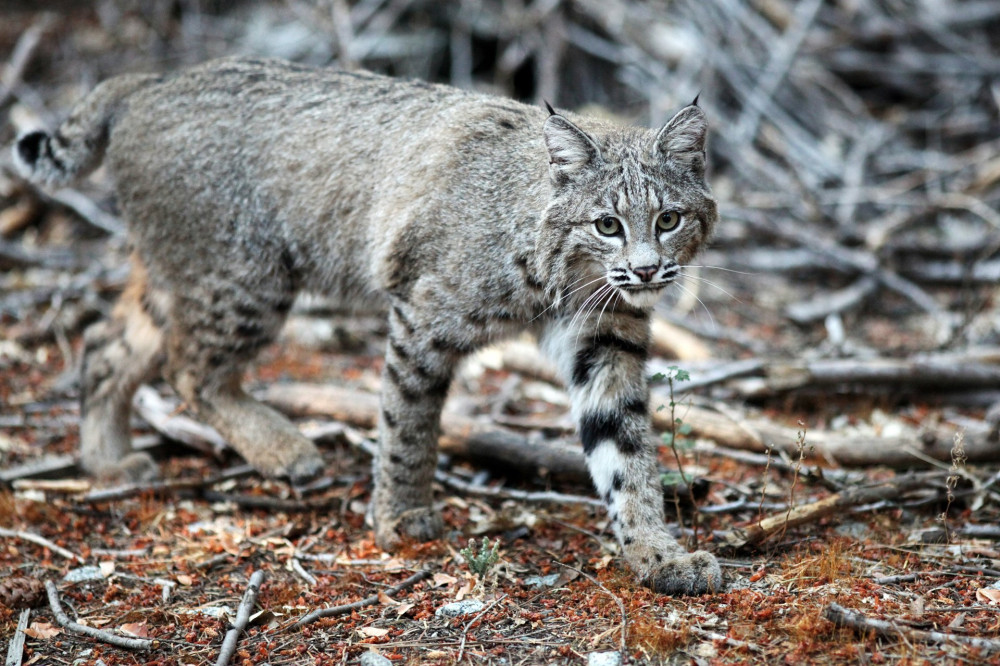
(631,211)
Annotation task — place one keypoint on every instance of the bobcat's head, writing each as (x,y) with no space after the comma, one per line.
(629,208)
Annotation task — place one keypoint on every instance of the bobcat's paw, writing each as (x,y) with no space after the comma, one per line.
(303,469)
(690,573)
(420,524)
(136,467)
(293,458)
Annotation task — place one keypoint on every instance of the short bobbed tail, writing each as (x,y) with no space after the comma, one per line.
(77,147)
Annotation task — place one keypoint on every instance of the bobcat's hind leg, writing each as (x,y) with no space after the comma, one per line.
(118,355)
(415,383)
(215,331)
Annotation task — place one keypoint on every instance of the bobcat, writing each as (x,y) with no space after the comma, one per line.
(467,217)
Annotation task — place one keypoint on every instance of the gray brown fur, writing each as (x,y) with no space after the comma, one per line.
(468,217)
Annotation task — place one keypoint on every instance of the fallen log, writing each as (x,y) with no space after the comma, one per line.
(754,433)
(461,436)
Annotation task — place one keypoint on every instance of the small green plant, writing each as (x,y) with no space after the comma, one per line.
(481,559)
(672,438)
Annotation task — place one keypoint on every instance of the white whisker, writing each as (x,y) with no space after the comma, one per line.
(720,268)
(566,296)
(691,293)
(711,284)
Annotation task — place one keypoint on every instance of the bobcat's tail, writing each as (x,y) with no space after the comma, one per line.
(77,146)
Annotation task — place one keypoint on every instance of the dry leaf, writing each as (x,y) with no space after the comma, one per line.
(184,579)
(437,654)
(603,563)
(441,579)
(42,630)
(988,595)
(403,609)
(464,590)
(373,632)
(138,629)
(107,568)
(386,599)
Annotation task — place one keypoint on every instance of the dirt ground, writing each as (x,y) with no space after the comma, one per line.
(839,456)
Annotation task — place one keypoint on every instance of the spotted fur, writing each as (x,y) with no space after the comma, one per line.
(466,217)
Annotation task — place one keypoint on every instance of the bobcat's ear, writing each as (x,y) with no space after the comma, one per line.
(570,148)
(683,137)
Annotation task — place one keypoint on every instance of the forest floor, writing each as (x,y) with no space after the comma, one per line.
(840,457)
(169,563)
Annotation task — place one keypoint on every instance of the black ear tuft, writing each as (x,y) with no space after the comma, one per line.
(29,147)
(683,137)
(552,112)
(695,102)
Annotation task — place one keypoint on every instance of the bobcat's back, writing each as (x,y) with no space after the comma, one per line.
(336,171)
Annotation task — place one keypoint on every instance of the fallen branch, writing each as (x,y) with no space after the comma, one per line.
(754,433)
(671,341)
(41,541)
(166,486)
(242,619)
(159,413)
(98,634)
(25,48)
(367,601)
(843,617)
(807,513)
(461,436)
(15,648)
(463,486)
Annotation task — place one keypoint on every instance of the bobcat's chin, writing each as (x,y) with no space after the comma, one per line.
(644,298)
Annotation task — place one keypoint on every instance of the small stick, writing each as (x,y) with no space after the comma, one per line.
(242,618)
(98,634)
(15,648)
(461,485)
(465,629)
(843,617)
(89,211)
(367,601)
(41,541)
(23,52)
(297,567)
(621,606)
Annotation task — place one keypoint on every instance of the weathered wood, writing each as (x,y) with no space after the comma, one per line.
(778,523)
(461,435)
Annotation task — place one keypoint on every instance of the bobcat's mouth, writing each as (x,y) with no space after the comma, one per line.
(642,296)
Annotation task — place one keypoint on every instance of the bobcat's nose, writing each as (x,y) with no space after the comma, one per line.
(646,273)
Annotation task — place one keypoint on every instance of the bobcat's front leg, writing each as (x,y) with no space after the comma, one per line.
(605,372)
(414,386)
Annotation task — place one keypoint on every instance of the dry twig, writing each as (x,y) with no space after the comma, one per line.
(41,541)
(98,634)
(242,619)
(334,611)
(842,617)
(15,647)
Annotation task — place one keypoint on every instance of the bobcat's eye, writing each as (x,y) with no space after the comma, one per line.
(668,220)
(609,226)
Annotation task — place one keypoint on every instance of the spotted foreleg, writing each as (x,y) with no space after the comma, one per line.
(605,372)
